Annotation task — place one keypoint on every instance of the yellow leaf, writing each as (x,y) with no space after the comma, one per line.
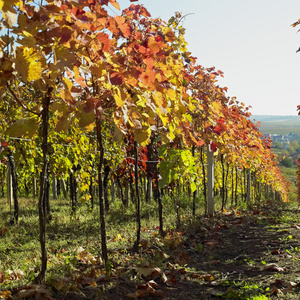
(171,94)
(29,63)
(171,132)
(142,135)
(141,101)
(68,83)
(158,98)
(66,95)
(177,69)
(216,106)
(119,96)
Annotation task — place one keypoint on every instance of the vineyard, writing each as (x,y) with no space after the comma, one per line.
(114,139)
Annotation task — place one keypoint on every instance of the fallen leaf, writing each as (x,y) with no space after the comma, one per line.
(5,295)
(212,243)
(152,273)
(153,284)
(295,226)
(3,230)
(274,267)
(101,277)
(35,291)
(275,252)
(60,284)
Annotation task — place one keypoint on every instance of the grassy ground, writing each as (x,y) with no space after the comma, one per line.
(239,254)
(66,233)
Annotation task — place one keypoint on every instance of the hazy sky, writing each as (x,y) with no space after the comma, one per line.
(251,41)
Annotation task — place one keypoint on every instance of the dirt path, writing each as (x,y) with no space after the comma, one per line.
(254,256)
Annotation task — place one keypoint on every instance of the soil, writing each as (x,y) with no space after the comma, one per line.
(237,255)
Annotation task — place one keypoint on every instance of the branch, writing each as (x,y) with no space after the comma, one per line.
(20,102)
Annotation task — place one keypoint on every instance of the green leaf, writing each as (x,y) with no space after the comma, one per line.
(86,119)
(26,127)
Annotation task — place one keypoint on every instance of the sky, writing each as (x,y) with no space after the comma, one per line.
(251,41)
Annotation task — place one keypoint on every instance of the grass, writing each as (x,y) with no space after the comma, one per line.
(67,233)
(244,290)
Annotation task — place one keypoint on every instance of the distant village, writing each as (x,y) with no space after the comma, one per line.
(284,138)
(287,146)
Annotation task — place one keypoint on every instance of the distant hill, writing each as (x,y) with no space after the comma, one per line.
(278,124)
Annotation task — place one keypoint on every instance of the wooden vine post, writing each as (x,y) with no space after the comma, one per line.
(210,182)
(42,199)
(101,192)
(9,186)
(138,203)
(14,183)
(248,186)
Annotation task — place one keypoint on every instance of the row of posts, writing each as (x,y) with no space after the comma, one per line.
(210,186)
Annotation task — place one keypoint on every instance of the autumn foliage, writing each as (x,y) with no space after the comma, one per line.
(131,79)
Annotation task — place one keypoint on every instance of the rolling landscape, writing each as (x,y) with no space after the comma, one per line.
(278,124)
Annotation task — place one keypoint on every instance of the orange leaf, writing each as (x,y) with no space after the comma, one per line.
(81,81)
(149,62)
(124,27)
(154,45)
(111,25)
(103,38)
(115,4)
(148,77)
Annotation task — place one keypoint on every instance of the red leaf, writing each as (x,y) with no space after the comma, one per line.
(213,147)
(218,130)
(116,79)
(80,14)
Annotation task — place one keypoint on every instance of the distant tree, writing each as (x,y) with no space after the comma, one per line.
(278,145)
(292,148)
(287,162)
